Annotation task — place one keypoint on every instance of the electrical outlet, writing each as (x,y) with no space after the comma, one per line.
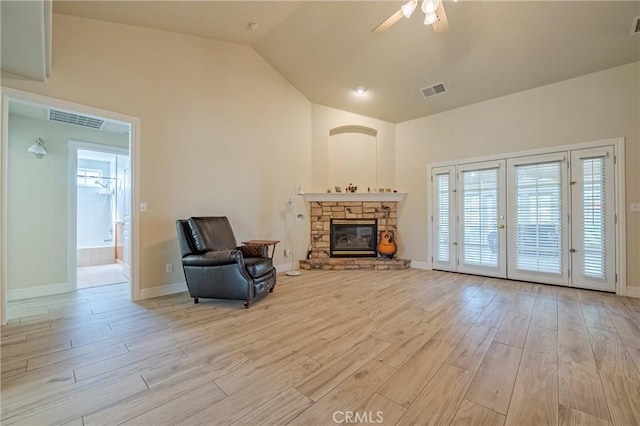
(635,207)
(143,207)
(168,268)
(287,252)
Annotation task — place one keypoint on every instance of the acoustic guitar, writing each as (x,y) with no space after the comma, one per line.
(386,241)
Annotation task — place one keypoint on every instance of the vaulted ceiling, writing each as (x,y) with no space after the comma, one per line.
(326,48)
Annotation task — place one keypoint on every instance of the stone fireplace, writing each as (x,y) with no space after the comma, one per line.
(349,210)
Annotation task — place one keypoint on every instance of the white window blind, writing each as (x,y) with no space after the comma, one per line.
(537,215)
(442,218)
(480,217)
(594,218)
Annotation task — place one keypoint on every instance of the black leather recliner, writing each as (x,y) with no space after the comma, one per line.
(215,267)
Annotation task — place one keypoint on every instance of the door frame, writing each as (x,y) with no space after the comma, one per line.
(563,278)
(577,192)
(72,201)
(500,271)
(9,94)
(452,265)
(620,205)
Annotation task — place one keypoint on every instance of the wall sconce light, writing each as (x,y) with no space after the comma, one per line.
(38,149)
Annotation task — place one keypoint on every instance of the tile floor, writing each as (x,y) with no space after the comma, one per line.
(89,277)
(99,275)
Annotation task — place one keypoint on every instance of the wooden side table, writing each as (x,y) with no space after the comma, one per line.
(264,242)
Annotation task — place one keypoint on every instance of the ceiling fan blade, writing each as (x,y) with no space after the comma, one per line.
(389,22)
(442,24)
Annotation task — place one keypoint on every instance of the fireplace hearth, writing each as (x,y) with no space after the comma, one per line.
(353,238)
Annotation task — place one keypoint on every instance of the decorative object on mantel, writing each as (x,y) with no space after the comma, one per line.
(338,189)
(355,196)
(351,188)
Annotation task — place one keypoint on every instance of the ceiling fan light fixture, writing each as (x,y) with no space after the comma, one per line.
(430,18)
(430,6)
(409,7)
(360,90)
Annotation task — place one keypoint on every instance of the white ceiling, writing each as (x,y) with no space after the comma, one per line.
(326,48)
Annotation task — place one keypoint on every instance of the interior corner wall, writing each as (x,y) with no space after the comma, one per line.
(325,119)
(593,107)
(221,132)
(37,201)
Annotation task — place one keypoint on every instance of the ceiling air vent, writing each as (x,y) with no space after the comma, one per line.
(635,27)
(436,89)
(78,120)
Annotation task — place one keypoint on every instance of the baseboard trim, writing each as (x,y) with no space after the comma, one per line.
(633,291)
(39,291)
(163,290)
(420,265)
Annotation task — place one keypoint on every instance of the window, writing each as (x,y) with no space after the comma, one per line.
(538,217)
(89,177)
(442,217)
(593,218)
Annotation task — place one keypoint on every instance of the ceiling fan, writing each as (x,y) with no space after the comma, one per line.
(434,15)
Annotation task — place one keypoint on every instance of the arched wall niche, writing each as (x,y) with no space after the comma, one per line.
(353,157)
(353,129)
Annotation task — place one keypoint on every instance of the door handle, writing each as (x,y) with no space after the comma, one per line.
(501,226)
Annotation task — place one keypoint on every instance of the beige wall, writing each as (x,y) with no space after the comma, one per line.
(593,107)
(325,119)
(37,200)
(222,133)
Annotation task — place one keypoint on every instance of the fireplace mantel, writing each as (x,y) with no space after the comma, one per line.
(356,196)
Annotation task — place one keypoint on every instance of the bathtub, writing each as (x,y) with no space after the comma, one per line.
(88,256)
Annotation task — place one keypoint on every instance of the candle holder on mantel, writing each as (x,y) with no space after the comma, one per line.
(351,188)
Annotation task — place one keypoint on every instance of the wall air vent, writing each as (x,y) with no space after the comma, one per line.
(436,89)
(635,26)
(78,120)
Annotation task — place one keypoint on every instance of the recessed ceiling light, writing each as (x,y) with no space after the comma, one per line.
(253,25)
(360,90)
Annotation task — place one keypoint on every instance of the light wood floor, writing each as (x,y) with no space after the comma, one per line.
(407,347)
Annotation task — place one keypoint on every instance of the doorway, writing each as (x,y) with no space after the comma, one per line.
(102,213)
(67,281)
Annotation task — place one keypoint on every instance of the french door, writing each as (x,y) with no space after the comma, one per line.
(593,219)
(445,251)
(538,219)
(481,219)
(546,218)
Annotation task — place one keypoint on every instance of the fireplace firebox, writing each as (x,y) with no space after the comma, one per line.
(353,238)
